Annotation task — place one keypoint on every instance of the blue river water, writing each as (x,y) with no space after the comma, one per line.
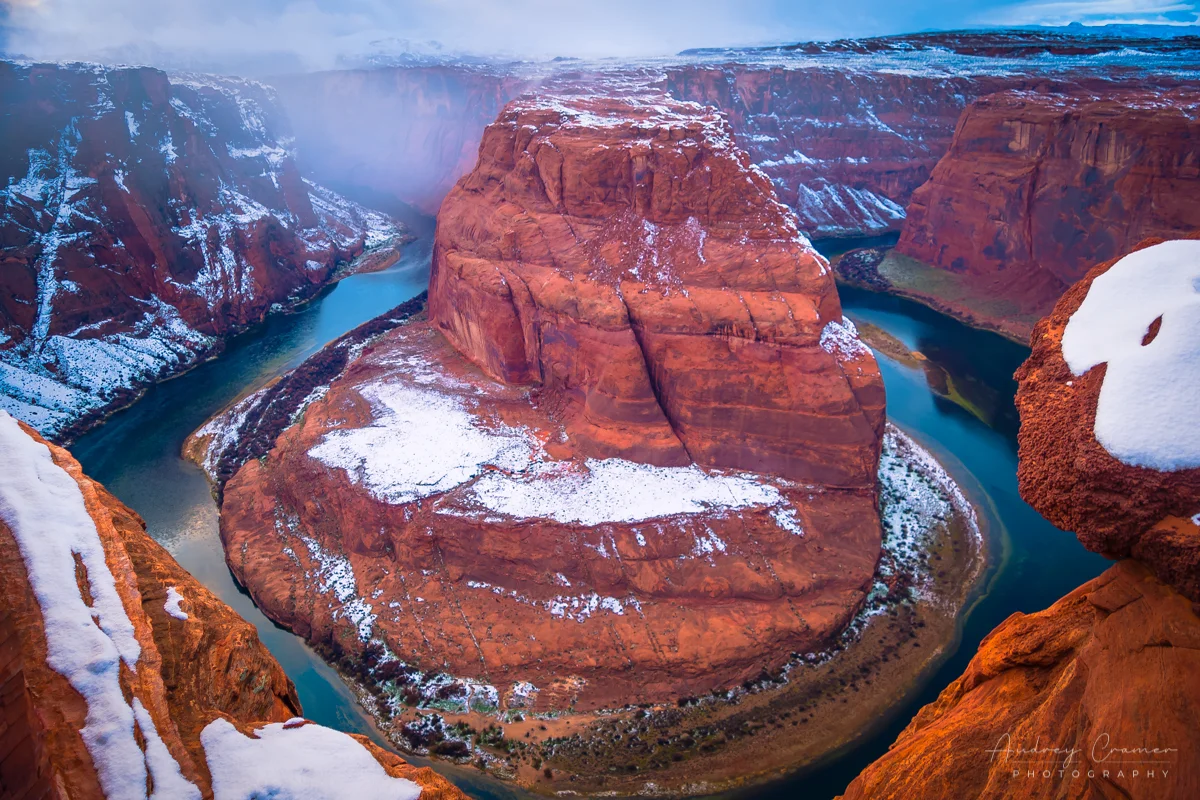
(136,454)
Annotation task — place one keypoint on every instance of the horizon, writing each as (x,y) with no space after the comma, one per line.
(262,36)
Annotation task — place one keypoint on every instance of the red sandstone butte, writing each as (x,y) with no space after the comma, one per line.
(1038,187)
(625,258)
(190,672)
(614,287)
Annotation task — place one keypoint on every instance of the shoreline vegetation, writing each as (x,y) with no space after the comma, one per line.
(882,270)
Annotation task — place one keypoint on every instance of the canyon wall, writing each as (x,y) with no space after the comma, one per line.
(1038,187)
(144,219)
(1096,696)
(845,148)
(104,634)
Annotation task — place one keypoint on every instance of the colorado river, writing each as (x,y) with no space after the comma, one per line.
(136,455)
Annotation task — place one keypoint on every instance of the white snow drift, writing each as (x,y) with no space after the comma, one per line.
(43,507)
(296,761)
(424,441)
(1148,413)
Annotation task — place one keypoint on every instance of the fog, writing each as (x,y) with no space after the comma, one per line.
(272,36)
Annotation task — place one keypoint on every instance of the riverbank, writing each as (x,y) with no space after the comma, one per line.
(782,720)
(882,269)
(377,259)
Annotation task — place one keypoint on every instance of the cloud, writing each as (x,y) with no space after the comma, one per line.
(264,36)
(1061,12)
(316,32)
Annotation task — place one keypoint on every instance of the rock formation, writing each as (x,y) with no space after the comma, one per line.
(634,427)
(1111,667)
(144,219)
(163,654)
(1114,507)
(1096,696)
(1038,187)
(626,259)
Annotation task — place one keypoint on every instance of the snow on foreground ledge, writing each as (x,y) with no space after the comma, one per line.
(1148,414)
(296,760)
(43,507)
(424,441)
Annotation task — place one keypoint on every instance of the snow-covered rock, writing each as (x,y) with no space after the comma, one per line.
(145,218)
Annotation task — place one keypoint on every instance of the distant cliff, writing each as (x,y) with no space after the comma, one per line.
(1038,187)
(144,219)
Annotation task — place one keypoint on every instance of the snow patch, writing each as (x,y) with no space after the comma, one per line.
(1148,414)
(296,761)
(616,490)
(841,338)
(420,443)
(174,598)
(44,508)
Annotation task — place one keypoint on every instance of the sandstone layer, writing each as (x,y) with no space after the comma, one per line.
(1111,672)
(625,258)
(631,456)
(144,220)
(557,582)
(198,661)
(1036,188)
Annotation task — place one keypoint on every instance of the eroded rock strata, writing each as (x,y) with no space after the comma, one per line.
(1036,188)
(632,456)
(519,479)
(144,219)
(624,257)
(1107,680)
(120,667)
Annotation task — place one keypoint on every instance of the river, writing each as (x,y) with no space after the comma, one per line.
(136,455)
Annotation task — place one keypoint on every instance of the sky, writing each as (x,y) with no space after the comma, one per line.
(314,34)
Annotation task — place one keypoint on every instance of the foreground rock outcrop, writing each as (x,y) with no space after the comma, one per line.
(121,671)
(1036,188)
(1119,501)
(1096,696)
(144,220)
